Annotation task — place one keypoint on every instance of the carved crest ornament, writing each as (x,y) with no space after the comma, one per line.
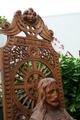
(25,61)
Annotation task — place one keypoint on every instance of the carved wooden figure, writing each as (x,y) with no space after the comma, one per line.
(25,61)
(48,106)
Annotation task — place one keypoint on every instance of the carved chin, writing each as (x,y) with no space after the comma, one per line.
(53,103)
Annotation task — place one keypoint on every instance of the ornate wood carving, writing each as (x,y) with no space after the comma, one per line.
(26,60)
(48,107)
(30,23)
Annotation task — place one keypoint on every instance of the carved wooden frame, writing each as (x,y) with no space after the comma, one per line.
(34,51)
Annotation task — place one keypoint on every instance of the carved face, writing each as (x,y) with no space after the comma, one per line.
(47,90)
(29,16)
(52,95)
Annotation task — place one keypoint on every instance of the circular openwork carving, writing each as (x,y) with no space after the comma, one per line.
(26,81)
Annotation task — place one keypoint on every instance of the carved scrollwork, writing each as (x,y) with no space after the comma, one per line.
(28,22)
(26,60)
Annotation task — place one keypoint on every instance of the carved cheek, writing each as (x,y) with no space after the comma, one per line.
(53,96)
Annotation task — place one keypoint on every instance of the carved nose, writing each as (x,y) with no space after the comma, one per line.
(55,97)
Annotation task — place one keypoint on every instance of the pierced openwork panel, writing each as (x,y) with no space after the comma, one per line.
(26,60)
(24,65)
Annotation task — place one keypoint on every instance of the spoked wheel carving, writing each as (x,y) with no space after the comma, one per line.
(26,82)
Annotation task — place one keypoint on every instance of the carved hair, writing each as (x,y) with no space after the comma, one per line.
(42,86)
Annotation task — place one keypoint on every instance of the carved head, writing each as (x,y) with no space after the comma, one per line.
(30,16)
(47,92)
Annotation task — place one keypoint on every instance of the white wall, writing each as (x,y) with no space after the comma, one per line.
(67,30)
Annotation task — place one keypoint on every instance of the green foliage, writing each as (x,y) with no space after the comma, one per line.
(70,69)
(2,19)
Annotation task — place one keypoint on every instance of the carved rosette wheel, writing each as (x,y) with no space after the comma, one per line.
(26,82)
